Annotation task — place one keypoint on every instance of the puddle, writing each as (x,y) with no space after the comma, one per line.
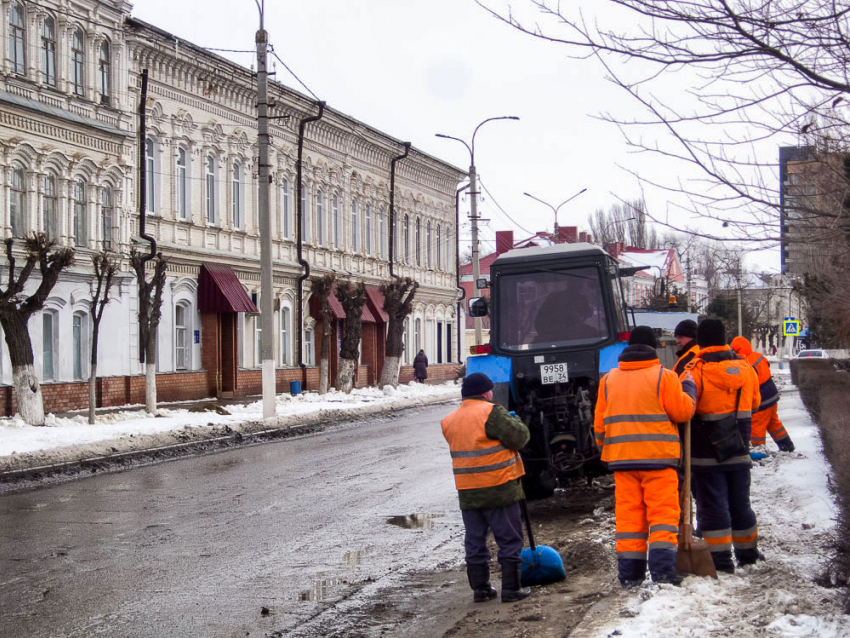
(414,521)
(353,559)
(320,590)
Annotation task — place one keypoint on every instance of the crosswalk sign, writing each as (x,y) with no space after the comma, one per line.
(791,328)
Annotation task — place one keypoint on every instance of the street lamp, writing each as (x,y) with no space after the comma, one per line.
(555,209)
(473,216)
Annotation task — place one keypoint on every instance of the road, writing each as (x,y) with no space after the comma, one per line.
(273,539)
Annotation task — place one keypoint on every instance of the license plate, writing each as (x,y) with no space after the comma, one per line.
(553,373)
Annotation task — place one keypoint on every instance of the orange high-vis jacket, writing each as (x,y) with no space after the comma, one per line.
(477,460)
(638,405)
(718,384)
(757,361)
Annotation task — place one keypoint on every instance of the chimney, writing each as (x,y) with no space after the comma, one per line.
(614,249)
(582,236)
(567,234)
(504,241)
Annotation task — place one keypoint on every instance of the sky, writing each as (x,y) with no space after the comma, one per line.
(414,68)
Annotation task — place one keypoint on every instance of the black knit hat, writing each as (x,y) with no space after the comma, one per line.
(643,335)
(711,332)
(686,328)
(475,384)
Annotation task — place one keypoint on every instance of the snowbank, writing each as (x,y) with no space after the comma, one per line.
(65,439)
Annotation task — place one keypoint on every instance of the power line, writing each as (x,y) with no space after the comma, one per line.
(493,199)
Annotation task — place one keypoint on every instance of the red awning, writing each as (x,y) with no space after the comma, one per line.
(376,303)
(219,290)
(336,308)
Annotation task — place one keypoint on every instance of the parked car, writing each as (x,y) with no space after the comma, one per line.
(813,354)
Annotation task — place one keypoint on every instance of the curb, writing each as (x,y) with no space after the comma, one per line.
(247,432)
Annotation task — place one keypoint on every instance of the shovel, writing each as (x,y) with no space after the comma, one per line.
(693,555)
(540,564)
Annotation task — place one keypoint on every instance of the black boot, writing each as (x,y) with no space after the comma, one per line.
(511,589)
(479,580)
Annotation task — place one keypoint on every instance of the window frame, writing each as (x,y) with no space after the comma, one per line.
(79,193)
(355,229)
(428,244)
(106,216)
(406,238)
(78,346)
(438,242)
(150,177)
(181,175)
(368,228)
(382,233)
(418,240)
(48,51)
(49,205)
(17,39)
(45,315)
(306,225)
(210,170)
(285,330)
(286,209)
(320,217)
(18,202)
(78,62)
(337,226)
(181,332)
(236,196)
(104,73)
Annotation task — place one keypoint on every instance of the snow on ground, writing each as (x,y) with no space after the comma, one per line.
(777,597)
(134,428)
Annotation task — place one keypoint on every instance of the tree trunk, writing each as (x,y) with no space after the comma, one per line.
(345,375)
(389,373)
(150,388)
(92,393)
(27,387)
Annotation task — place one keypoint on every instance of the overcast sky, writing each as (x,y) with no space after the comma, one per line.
(413,68)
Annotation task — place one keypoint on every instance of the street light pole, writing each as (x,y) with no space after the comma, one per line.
(264,176)
(473,210)
(555,209)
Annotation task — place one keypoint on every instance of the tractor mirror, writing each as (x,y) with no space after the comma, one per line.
(478,307)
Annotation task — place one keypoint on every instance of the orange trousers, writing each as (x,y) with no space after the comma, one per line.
(647,511)
(765,421)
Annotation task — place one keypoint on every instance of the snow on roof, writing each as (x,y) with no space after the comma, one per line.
(649,258)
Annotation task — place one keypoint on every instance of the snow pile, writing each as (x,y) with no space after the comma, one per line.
(777,597)
(66,438)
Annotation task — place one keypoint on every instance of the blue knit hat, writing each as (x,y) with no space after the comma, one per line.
(475,384)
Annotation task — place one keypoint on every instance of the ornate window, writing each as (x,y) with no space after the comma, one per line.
(238,221)
(355,229)
(368,229)
(78,344)
(181,179)
(181,334)
(418,239)
(210,189)
(78,62)
(405,341)
(18,203)
(106,217)
(79,205)
(150,177)
(428,244)
(285,318)
(320,218)
(286,213)
(48,51)
(309,347)
(438,244)
(104,85)
(49,206)
(17,43)
(305,215)
(337,222)
(417,335)
(448,250)
(382,234)
(48,325)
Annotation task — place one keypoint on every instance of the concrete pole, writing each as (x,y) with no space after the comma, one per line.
(266,283)
(740,327)
(476,272)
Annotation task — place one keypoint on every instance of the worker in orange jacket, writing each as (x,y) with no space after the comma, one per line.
(727,394)
(637,409)
(766,417)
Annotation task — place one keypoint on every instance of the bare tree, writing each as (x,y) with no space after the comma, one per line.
(627,223)
(105,266)
(398,304)
(150,313)
(749,76)
(352,299)
(16,310)
(322,288)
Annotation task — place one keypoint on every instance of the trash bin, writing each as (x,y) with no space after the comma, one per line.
(294,387)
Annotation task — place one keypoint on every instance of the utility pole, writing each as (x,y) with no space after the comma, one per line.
(266,284)
(476,270)
(555,209)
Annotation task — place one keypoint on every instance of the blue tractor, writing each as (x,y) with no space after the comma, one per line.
(558,322)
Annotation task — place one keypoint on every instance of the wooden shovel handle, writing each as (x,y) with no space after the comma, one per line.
(686,488)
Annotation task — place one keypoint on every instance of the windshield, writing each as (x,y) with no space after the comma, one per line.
(551,309)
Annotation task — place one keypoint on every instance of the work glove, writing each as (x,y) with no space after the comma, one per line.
(758,453)
(786,445)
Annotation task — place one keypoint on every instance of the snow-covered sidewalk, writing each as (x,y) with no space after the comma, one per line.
(778,597)
(67,439)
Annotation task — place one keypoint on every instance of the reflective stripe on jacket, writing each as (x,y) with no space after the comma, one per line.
(478,461)
(759,363)
(638,403)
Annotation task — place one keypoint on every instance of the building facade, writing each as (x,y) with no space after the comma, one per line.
(69,158)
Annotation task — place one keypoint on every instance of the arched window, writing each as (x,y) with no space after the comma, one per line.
(106,217)
(48,340)
(238,221)
(418,245)
(49,206)
(150,176)
(79,334)
(428,243)
(382,233)
(368,229)
(320,217)
(17,203)
(182,354)
(78,62)
(210,187)
(285,318)
(17,43)
(286,212)
(337,222)
(79,205)
(407,239)
(437,243)
(305,215)
(104,86)
(355,229)
(48,51)
(182,179)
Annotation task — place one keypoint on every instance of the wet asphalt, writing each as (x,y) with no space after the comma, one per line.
(264,540)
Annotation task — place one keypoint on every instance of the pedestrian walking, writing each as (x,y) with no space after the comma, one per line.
(727,394)
(766,417)
(420,366)
(637,409)
(484,440)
